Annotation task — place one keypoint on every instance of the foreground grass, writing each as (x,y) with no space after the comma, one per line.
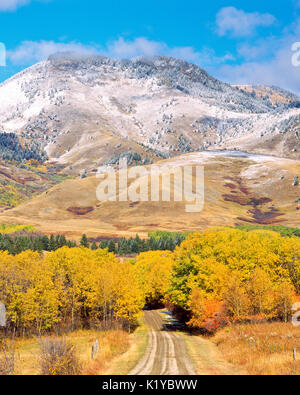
(112,344)
(138,342)
(207,359)
(262,349)
(118,353)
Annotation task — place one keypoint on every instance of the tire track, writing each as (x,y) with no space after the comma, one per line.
(166,352)
(144,362)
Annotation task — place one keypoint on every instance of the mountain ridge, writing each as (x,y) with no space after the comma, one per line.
(87,111)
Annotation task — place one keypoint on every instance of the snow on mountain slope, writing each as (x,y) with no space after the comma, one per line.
(86,112)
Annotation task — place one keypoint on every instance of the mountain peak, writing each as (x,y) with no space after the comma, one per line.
(90,110)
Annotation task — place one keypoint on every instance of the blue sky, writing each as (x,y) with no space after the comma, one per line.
(236,41)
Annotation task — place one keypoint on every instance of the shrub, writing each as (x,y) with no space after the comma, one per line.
(58,358)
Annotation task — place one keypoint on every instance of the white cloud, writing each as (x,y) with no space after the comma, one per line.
(239,23)
(267,61)
(131,49)
(277,71)
(12,5)
(141,46)
(250,52)
(29,52)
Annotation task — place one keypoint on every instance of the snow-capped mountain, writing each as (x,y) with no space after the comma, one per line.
(90,111)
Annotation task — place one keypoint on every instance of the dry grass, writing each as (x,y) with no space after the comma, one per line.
(262,349)
(49,212)
(58,358)
(207,358)
(112,344)
(7,358)
(138,344)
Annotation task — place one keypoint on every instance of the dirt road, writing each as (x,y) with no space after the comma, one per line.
(171,353)
(166,352)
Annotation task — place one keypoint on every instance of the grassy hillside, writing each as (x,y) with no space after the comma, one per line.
(239,190)
(22,182)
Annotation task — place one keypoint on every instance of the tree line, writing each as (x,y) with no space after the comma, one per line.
(23,241)
(34,241)
(11,149)
(136,245)
(282,230)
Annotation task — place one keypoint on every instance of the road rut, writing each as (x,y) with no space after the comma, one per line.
(166,353)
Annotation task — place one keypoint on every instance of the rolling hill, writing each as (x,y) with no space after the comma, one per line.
(239,189)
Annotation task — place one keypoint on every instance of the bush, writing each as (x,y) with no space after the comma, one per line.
(58,358)
(7,358)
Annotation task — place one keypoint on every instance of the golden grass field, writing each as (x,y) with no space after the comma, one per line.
(261,349)
(118,352)
(238,190)
(111,344)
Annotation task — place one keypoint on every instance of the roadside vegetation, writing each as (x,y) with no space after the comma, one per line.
(214,277)
(56,354)
(270,348)
(231,275)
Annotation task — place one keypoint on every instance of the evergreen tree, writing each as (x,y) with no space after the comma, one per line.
(103,245)
(84,242)
(94,246)
(52,243)
(71,244)
(63,240)
(111,246)
(46,243)
(37,244)
(124,247)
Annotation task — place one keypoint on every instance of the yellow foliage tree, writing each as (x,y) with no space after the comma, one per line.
(154,270)
(28,291)
(284,299)
(73,285)
(203,260)
(261,294)
(235,297)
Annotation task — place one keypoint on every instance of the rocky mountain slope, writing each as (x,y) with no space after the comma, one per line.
(272,94)
(91,111)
